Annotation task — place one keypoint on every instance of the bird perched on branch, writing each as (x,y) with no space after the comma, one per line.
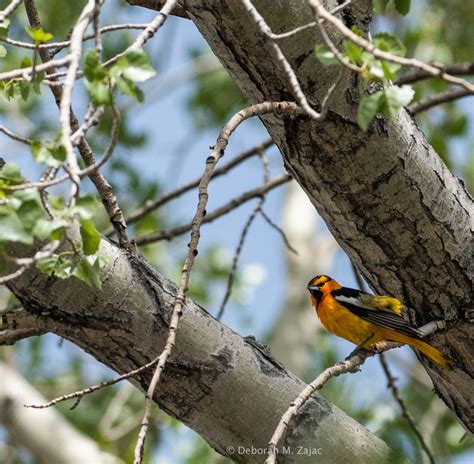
(366,319)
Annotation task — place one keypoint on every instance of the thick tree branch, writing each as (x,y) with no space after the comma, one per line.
(400,215)
(215,381)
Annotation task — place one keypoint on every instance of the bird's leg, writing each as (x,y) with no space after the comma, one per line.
(360,347)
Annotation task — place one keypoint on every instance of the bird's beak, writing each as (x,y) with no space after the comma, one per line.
(313,288)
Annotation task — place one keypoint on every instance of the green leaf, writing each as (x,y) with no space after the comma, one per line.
(24,90)
(10,173)
(402,6)
(29,213)
(47,265)
(99,92)
(4,25)
(135,65)
(389,43)
(56,265)
(127,87)
(380,6)
(38,35)
(3,51)
(93,68)
(353,52)
(11,227)
(90,237)
(88,273)
(49,228)
(25,62)
(325,56)
(395,98)
(48,152)
(368,107)
(86,206)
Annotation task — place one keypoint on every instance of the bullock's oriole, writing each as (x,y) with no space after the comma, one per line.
(366,319)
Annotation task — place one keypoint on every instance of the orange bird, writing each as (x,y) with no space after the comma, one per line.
(366,319)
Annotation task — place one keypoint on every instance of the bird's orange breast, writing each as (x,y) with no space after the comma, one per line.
(341,322)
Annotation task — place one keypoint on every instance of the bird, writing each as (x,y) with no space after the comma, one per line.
(366,319)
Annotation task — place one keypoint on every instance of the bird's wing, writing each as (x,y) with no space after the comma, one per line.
(357,303)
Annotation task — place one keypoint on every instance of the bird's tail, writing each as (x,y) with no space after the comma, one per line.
(432,353)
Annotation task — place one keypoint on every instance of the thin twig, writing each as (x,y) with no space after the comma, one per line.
(107,196)
(290,73)
(405,412)
(351,364)
(25,73)
(455,69)
(438,99)
(93,388)
(45,252)
(12,6)
(87,171)
(58,46)
(279,230)
(65,104)
(231,205)
(148,33)
(152,205)
(16,137)
(320,12)
(285,35)
(243,236)
(211,161)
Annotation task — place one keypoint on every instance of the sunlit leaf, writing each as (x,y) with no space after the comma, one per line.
(90,237)
(369,106)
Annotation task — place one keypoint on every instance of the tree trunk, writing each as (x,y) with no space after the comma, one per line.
(401,216)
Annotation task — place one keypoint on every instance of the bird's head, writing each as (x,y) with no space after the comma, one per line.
(320,285)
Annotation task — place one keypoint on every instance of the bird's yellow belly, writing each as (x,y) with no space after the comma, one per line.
(343,323)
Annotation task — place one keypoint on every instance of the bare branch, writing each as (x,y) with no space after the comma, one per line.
(236,202)
(87,391)
(157,5)
(217,153)
(155,204)
(65,105)
(243,235)
(439,99)
(351,364)
(290,73)
(26,73)
(58,46)
(457,69)
(13,5)
(45,252)
(14,136)
(321,12)
(405,412)
(279,230)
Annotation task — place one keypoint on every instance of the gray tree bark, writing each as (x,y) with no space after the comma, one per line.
(227,388)
(402,217)
(391,203)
